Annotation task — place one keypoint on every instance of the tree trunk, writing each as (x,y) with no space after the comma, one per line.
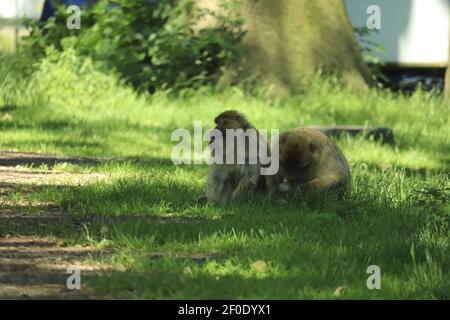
(447,84)
(288,41)
(447,75)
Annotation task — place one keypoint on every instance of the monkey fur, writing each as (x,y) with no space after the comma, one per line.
(309,162)
(228,182)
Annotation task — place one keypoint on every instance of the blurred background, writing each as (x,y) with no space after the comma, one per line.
(410,48)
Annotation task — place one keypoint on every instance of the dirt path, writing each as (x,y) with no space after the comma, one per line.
(35,266)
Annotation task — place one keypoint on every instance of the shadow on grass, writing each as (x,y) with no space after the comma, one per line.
(155,217)
(179,284)
(412,172)
(12,159)
(48,125)
(36,268)
(7,108)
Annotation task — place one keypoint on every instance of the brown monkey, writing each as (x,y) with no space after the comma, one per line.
(230,180)
(310,161)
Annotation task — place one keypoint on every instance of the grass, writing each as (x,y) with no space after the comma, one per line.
(165,245)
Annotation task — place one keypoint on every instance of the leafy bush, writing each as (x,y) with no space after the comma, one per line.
(153,44)
(369,50)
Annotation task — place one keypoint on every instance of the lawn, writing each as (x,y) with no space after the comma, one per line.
(162,244)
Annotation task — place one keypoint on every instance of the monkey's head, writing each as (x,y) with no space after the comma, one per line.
(297,152)
(230,119)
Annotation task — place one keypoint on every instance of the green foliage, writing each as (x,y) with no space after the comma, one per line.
(368,51)
(152,44)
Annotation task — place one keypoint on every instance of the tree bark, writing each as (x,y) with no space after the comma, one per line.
(447,75)
(447,85)
(288,41)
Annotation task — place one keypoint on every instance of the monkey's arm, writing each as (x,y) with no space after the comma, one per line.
(272,182)
(279,184)
(249,182)
(216,190)
(322,183)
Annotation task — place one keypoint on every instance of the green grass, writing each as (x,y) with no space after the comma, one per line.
(165,245)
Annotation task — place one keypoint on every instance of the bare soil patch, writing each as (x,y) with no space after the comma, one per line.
(35,266)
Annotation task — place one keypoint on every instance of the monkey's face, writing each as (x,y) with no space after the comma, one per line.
(297,152)
(224,123)
(229,120)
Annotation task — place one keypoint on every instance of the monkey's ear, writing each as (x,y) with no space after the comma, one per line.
(242,121)
(312,146)
(239,119)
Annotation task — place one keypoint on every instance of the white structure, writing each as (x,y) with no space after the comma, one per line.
(413,32)
(11,11)
(14,9)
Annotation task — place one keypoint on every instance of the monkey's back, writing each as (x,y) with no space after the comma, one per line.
(330,161)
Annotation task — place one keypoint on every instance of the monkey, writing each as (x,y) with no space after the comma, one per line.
(309,162)
(231,181)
